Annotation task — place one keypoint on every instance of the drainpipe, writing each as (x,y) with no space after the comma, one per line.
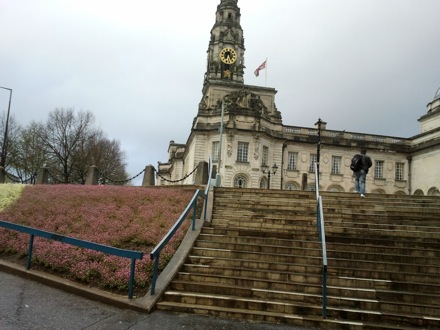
(409,175)
(282,165)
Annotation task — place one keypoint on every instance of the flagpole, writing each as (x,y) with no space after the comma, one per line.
(265,75)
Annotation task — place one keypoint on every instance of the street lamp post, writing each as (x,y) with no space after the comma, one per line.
(265,169)
(318,151)
(218,178)
(5,137)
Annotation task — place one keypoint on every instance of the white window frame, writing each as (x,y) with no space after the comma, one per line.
(265,155)
(313,160)
(379,169)
(292,161)
(400,171)
(242,152)
(336,164)
(215,151)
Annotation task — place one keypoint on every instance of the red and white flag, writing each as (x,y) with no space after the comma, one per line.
(261,67)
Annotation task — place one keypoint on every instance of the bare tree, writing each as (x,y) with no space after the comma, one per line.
(110,161)
(68,145)
(28,154)
(12,138)
(63,135)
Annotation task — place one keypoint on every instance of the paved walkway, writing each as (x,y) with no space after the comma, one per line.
(27,304)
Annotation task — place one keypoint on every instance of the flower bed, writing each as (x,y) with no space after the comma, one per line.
(133,218)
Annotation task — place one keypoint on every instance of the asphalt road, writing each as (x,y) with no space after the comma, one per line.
(26,304)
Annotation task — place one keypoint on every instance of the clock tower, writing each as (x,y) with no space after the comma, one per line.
(225,60)
(224,76)
(235,122)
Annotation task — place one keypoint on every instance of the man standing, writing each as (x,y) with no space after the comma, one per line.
(360,174)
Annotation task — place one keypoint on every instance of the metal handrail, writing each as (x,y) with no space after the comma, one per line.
(133,255)
(321,233)
(208,186)
(155,254)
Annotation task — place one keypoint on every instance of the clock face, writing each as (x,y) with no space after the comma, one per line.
(228,55)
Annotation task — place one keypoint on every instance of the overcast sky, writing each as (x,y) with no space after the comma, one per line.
(367,66)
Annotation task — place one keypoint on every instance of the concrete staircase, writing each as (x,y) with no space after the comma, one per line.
(260,260)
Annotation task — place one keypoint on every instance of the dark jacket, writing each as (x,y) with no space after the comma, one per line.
(366,163)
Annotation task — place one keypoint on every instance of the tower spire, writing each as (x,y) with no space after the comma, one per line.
(225,60)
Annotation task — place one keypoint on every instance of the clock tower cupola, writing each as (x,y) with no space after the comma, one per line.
(225,60)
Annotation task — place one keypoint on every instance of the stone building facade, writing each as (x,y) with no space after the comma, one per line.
(253,134)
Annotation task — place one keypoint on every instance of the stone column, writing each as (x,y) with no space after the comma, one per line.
(202,173)
(148,176)
(92,177)
(42,176)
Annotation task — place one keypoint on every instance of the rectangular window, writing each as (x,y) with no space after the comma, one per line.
(215,150)
(378,169)
(313,159)
(292,161)
(242,152)
(265,155)
(336,164)
(400,171)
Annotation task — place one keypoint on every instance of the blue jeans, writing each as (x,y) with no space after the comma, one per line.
(359,181)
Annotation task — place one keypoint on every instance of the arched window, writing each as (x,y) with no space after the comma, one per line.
(263,183)
(240,181)
(335,188)
(311,187)
(433,192)
(291,186)
(418,192)
(400,193)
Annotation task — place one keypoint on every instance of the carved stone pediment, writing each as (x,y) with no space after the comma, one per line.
(229,36)
(244,99)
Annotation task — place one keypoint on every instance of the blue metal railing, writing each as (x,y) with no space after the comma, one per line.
(155,254)
(208,185)
(321,233)
(133,255)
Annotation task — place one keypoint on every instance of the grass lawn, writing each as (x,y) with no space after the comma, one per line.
(133,218)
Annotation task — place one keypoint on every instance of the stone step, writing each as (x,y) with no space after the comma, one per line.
(307,277)
(296,269)
(300,309)
(263,225)
(259,248)
(379,219)
(261,256)
(372,270)
(208,234)
(402,248)
(384,241)
(380,229)
(316,251)
(368,299)
(281,318)
(255,232)
(260,259)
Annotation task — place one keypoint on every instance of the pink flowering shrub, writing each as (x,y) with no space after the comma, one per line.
(131,218)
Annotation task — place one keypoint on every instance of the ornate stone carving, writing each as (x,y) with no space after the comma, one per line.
(256,146)
(230,139)
(213,66)
(244,99)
